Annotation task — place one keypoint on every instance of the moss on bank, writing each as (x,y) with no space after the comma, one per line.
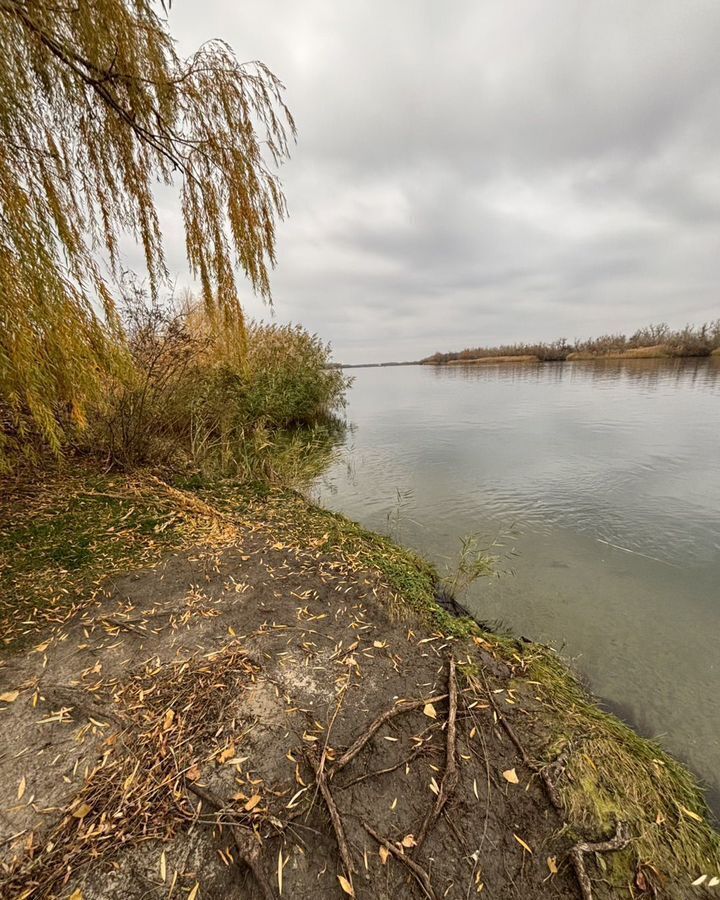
(62,535)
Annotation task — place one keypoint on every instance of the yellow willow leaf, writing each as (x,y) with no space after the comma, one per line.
(82,811)
(9,696)
(280,871)
(384,854)
(76,895)
(346,886)
(253,802)
(511,776)
(689,812)
(21,788)
(168,720)
(429,711)
(552,865)
(522,843)
(194,892)
(163,867)
(409,841)
(227,753)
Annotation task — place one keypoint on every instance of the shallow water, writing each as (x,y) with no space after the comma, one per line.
(602,481)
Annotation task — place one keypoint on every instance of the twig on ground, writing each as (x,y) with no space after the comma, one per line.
(376,772)
(420,875)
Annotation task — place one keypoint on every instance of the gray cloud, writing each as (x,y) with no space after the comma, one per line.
(485,172)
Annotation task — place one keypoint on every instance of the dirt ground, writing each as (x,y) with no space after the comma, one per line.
(249,723)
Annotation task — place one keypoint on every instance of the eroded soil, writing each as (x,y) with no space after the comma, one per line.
(187,736)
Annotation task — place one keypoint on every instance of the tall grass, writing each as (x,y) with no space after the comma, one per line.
(255,402)
(692,340)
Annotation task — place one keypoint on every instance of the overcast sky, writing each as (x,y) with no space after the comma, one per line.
(471,172)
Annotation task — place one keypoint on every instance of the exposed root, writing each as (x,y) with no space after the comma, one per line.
(247,845)
(450,775)
(402,706)
(335,817)
(577,853)
(420,875)
(618,842)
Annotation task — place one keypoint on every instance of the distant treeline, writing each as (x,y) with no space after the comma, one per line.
(653,340)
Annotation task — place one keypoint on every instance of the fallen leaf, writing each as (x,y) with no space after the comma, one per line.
(194,892)
(511,776)
(714,881)
(21,788)
(193,773)
(346,886)
(384,854)
(699,881)
(163,867)
(9,696)
(227,753)
(429,711)
(522,843)
(409,841)
(81,811)
(280,871)
(168,720)
(252,802)
(76,895)
(689,812)
(552,865)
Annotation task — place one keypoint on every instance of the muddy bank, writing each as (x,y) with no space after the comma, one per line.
(271,703)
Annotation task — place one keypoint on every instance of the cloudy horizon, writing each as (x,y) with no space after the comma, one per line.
(483,173)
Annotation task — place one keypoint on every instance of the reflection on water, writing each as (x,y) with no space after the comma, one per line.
(610,473)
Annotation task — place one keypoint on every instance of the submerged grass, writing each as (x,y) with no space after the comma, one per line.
(61,537)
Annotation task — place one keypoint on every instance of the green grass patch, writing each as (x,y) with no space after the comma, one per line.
(612,775)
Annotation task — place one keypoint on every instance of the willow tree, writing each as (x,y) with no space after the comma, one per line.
(96,107)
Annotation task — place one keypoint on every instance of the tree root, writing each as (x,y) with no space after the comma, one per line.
(420,875)
(618,842)
(402,706)
(335,818)
(450,775)
(247,846)
(577,853)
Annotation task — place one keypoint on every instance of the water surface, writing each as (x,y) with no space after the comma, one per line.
(604,478)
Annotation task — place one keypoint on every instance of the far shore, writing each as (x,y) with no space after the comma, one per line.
(659,351)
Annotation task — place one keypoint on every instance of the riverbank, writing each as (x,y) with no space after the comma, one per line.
(658,352)
(178,656)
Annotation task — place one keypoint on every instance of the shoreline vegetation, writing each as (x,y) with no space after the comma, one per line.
(652,342)
(203,670)
(210,685)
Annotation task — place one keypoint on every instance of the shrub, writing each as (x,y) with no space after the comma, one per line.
(214,395)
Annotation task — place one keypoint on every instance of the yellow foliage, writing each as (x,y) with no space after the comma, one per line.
(96,105)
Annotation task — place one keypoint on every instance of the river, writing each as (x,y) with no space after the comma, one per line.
(601,483)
